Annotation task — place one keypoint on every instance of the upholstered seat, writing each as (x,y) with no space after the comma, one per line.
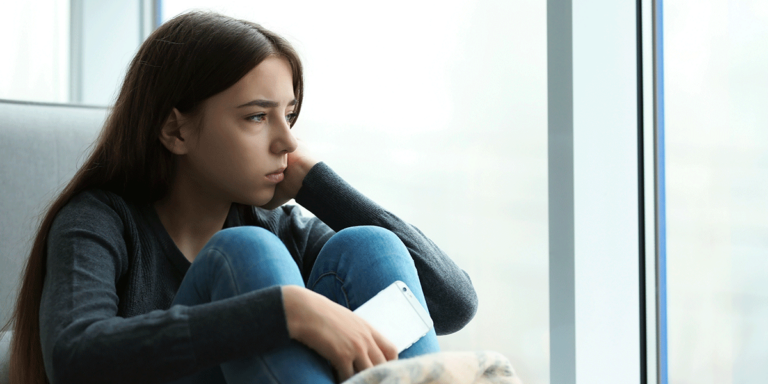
(41,146)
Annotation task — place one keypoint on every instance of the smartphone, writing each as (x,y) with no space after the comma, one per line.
(397,315)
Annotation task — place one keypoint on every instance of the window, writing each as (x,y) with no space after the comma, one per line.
(438,111)
(35,48)
(716,90)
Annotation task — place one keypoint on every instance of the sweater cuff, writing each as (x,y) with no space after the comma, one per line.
(251,323)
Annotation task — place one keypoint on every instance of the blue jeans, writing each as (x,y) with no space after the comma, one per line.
(353,266)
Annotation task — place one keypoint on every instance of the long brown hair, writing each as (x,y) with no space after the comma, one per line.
(186,60)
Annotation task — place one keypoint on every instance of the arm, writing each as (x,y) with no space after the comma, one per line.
(449,293)
(84,340)
(450,296)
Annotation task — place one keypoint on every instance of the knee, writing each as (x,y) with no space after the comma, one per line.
(367,236)
(247,241)
(243,232)
(243,259)
(243,236)
(370,241)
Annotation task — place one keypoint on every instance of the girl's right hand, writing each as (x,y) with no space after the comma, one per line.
(335,332)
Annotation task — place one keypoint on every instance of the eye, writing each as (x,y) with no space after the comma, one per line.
(257,118)
(291,117)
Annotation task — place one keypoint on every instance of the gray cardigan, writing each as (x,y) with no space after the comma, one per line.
(112,272)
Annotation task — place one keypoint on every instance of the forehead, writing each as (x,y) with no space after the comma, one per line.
(271,80)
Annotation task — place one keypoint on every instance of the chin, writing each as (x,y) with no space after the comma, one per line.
(256,199)
(259,199)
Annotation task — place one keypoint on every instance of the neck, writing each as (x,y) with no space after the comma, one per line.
(191,215)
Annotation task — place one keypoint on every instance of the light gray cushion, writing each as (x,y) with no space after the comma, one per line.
(5,343)
(41,146)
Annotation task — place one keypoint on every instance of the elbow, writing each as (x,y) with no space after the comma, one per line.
(62,367)
(68,363)
(459,314)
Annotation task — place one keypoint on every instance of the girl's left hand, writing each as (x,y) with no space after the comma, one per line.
(299,164)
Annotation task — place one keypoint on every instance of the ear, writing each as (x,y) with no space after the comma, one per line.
(174,133)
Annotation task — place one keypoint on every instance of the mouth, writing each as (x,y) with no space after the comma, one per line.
(276,176)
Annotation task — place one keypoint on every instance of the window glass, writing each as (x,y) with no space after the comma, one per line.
(437,111)
(434,109)
(35,46)
(716,87)
(65,51)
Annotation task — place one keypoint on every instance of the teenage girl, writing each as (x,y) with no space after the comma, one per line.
(170,256)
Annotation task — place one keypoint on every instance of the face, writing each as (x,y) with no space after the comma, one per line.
(244,138)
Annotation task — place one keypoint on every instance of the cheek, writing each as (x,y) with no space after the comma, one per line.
(234,161)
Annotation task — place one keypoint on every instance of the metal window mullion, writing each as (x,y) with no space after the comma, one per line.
(75,51)
(660,191)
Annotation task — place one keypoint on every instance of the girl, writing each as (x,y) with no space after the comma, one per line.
(170,257)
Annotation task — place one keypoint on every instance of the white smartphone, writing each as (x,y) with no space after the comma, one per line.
(397,315)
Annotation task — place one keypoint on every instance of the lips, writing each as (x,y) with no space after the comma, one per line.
(276,176)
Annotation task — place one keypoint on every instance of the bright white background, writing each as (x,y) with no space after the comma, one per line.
(716,63)
(434,109)
(437,111)
(35,50)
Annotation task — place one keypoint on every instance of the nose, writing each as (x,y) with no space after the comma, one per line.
(283,140)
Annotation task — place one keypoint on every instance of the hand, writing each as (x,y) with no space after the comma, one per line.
(350,343)
(299,164)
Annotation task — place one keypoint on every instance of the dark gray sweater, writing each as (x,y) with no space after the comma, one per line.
(113,271)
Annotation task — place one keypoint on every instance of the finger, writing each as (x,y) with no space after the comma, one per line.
(344,372)
(385,346)
(376,355)
(362,363)
(336,376)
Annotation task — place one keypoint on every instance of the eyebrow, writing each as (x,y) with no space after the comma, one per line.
(265,103)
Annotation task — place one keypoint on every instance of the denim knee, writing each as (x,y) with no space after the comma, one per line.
(245,232)
(247,258)
(371,241)
(245,238)
(247,245)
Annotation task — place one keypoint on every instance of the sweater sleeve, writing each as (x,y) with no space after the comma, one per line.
(84,340)
(448,290)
